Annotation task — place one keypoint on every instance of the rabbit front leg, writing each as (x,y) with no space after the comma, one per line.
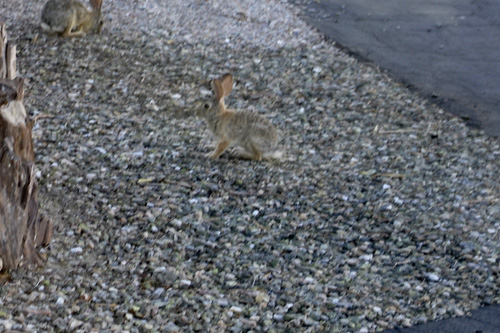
(221,147)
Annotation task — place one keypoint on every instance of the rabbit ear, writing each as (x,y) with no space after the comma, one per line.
(227,84)
(96,4)
(219,91)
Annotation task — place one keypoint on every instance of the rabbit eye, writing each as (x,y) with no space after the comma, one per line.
(206,106)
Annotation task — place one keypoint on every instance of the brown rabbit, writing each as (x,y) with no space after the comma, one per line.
(248,130)
(70,18)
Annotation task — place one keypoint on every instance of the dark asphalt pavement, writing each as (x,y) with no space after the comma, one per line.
(448,50)
(484,320)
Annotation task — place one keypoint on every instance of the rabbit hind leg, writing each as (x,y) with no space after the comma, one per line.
(252,152)
(256,153)
(249,152)
(69,32)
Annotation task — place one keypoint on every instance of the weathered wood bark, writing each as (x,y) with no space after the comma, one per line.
(22,228)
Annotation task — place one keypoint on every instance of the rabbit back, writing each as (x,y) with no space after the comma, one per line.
(60,16)
(251,128)
(57,15)
(245,129)
(248,130)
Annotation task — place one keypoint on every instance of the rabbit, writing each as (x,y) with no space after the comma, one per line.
(70,18)
(250,131)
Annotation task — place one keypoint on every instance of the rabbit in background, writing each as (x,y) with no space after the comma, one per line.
(250,131)
(70,18)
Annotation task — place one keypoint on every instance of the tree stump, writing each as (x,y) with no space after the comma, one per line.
(22,228)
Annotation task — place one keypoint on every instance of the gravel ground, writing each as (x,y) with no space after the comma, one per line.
(383,212)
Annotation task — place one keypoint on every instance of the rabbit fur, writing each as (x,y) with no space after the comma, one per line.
(255,134)
(70,18)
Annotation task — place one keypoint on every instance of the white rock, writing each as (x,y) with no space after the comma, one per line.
(397,223)
(76,250)
(91,176)
(185,282)
(236,309)
(75,323)
(366,257)
(161,269)
(101,150)
(309,280)
(7,324)
(432,277)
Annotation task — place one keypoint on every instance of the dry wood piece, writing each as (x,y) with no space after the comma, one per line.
(22,228)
